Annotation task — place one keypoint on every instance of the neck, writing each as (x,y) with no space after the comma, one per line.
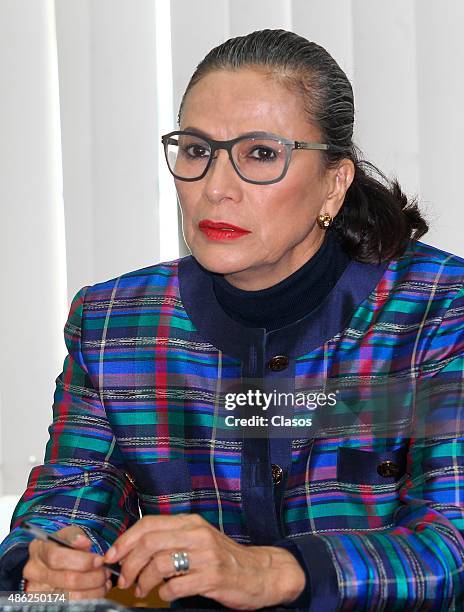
(255,279)
(288,300)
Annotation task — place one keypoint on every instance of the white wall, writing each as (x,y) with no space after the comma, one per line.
(33,285)
(79,189)
(109,136)
(80,100)
(440,94)
(386,87)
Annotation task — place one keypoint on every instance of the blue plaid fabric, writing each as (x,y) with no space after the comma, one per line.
(374,515)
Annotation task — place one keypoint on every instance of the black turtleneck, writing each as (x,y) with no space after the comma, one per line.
(292,298)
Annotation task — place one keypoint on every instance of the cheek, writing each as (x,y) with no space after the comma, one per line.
(289,208)
(188,197)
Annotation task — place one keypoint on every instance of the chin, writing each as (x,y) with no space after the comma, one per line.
(220,263)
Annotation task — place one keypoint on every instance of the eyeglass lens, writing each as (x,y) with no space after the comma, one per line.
(257,159)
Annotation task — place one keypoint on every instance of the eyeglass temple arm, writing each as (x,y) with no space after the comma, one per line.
(311,145)
(315,145)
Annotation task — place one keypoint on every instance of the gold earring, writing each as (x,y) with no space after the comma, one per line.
(324,221)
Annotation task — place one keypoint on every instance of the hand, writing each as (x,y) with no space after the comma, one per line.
(53,568)
(235,575)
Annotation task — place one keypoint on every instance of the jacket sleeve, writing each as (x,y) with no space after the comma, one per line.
(418,562)
(82,480)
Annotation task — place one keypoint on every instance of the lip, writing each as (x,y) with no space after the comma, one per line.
(221,225)
(221,230)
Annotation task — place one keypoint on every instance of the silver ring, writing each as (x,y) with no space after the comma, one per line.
(181,562)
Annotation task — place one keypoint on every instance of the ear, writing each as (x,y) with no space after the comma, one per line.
(339,179)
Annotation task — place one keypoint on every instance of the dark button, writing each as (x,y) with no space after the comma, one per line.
(276,473)
(387,469)
(278,363)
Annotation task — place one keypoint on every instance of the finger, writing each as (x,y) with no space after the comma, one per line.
(68,579)
(77,581)
(129,539)
(58,557)
(99,593)
(75,536)
(32,587)
(81,542)
(153,542)
(162,566)
(186,585)
(35,573)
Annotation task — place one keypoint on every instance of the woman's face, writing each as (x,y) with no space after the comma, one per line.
(280,218)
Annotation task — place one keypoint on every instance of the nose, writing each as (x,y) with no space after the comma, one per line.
(221,181)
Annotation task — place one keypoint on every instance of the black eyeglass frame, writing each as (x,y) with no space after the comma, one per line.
(215,145)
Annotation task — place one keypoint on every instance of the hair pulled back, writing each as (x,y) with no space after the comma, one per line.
(376,220)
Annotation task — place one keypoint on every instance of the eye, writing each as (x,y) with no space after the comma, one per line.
(263,154)
(196,150)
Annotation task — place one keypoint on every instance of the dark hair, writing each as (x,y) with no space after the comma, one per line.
(376,221)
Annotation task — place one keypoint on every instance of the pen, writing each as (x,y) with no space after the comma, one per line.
(41,534)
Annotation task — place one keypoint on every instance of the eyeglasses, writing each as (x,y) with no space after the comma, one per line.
(259,157)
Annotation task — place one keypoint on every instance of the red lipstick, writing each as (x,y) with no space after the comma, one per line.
(221,230)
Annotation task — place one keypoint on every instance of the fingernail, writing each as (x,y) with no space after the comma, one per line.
(138,591)
(111,554)
(98,562)
(121,582)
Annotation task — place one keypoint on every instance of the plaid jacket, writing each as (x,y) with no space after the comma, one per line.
(374,514)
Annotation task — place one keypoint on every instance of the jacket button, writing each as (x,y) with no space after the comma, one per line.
(276,473)
(387,469)
(278,363)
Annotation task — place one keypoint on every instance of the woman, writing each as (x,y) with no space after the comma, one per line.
(305,270)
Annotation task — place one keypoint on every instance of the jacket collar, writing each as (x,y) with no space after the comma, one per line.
(356,284)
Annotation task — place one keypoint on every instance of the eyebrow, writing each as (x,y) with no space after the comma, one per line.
(258,133)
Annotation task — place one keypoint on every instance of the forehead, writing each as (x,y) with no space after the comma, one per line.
(226,103)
